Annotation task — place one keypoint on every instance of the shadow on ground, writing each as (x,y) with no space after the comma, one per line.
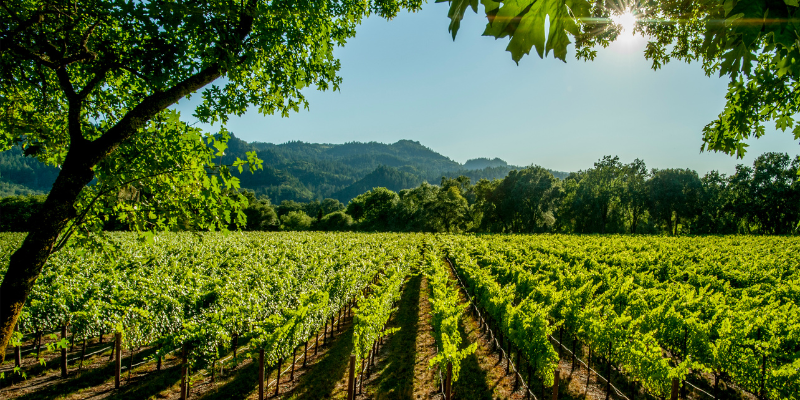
(396,368)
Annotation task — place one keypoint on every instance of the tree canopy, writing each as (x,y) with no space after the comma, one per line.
(753,42)
(86,85)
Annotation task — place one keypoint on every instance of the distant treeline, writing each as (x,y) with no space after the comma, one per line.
(612,197)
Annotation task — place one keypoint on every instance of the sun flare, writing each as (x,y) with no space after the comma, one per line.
(627,21)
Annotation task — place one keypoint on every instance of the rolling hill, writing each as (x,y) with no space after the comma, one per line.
(302,171)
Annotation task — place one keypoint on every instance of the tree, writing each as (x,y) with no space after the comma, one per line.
(410,213)
(86,85)
(753,42)
(529,199)
(775,198)
(633,196)
(674,194)
(448,209)
(335,221)
(373,209)
(260,214)
(296,221)
(486,202)
(593,197)
(715,213)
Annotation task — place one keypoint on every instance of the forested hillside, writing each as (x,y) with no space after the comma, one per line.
(20,175)
(301,171)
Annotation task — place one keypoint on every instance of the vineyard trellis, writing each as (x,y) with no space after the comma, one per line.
(659,310)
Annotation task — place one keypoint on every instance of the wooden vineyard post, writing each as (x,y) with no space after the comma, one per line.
(38,343)
(130,362)
(291,374)
(351,380)
(100,341)
(528,390)
(325,333)
(588,372)
(316,343)
(83,353)
(118,358)
(361,380)
(18,356)
(261,374)
(111,355)
(574,340)
(369,356)
(339,321)
(608,380)
(278,377)
(448,382)
(508,359)
(63,352)
(556,382)
(184,373)
(675,389)
(305,354)
(235,345)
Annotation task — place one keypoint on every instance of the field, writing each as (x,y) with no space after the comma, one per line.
(512,316)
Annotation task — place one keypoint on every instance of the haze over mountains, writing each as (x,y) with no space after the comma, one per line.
(302,171)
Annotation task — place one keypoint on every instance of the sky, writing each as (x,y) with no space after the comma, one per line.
(407,79)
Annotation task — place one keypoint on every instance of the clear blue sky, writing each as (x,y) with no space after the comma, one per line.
(407,79)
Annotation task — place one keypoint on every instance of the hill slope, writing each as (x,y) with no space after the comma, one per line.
(301,171)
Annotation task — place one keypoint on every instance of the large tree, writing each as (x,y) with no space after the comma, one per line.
(86,85)
(753,42)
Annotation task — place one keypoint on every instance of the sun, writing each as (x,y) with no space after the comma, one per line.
(625,20)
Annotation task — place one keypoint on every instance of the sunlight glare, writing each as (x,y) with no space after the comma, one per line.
(626,20)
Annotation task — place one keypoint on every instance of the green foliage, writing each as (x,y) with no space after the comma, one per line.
(376,307)
(373,209)
(296,221)
(674,193)
(259,213)
(446,308)
(335,221)
(200,290)
(629,298)
(16,212)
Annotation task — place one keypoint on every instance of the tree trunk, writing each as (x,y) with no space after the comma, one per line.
(26,263)
(669,223)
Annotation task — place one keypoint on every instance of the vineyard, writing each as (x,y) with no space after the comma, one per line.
(543,316)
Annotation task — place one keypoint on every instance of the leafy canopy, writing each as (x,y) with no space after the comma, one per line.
(90,83)
(756,43)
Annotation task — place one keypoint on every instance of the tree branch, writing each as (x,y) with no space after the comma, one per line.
(96,80)
(147,109)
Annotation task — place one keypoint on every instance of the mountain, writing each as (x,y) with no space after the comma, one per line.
(481,163)
(302,171)
(383,176)
(20,175)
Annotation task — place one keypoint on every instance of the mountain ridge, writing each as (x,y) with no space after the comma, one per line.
(302,171)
